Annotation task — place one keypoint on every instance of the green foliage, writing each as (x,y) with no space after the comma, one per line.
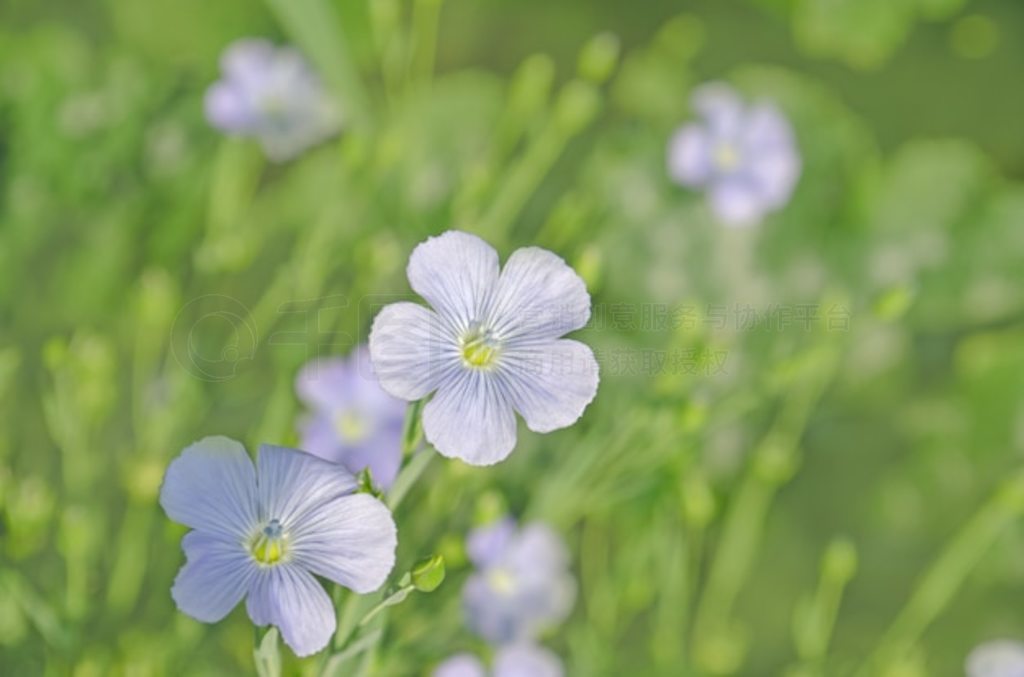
(749,493)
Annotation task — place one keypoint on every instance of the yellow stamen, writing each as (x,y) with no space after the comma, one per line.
(351,427)
(479,350)
(502,581)
(727,157)
(268,546)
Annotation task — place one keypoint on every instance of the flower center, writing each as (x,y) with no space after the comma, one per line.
(502,581)
(270,544)
(351,427)
(479,348)
(726,157)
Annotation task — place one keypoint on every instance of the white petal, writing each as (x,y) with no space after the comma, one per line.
(461,665)
(293,484)
(526,660)
(325,383)
(211,486)
(215,577)
(550,384)
(350,540)
(721,108)
(470,419)
(736,202)
(538,297)
(456,272)
(410,348)
(689,156)
(290,598)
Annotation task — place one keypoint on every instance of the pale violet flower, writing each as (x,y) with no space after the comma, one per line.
(352,421)
(271,94)
(998,658)
(262,533)
(522,584)
(517,660)
(744,157)
(490,346)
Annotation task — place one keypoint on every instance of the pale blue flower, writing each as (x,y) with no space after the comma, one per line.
(263,533)
(998,658)
(743,156)
(517,660)
(522,584)
(490,347)
(271,94)
(352,420)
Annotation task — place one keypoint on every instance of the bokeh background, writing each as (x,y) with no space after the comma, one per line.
(804,456)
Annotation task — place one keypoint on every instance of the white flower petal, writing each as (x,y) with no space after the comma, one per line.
(211,486)
(689,156)
(997,658)
(215,577)
(292,484)
(550,384)
(538,297)
(470,419)
(526,660)
(290,598)
(455,272)
(721,108)
(736,202)
(350,540)
(410,349)
(461,665)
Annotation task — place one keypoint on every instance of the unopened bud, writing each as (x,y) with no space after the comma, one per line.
(428,573)
(599,57)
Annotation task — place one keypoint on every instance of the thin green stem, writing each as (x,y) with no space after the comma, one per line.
(938,585)
(409,476)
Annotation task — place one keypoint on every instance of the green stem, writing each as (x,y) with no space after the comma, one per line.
(718,647)
(947,574)
(409,476)
(426,15)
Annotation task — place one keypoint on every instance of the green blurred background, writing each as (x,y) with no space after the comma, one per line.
(804,500)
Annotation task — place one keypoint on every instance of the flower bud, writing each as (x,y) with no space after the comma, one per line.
(577,105)
(428,574)
(599,57)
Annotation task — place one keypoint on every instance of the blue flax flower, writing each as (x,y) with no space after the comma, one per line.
(743,156)
(352,421)
(271,94)
(516,660)
(522,584)
(490,347)
(262,533)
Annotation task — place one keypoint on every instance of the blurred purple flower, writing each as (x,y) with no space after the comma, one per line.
(998,658)
(744,157)
(517,660)
(352,420)
(271,94)
(522,585)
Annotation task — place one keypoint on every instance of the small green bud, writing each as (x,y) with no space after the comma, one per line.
(698,501)
(893,303)
(577,104)
(428,574)
(599,57)
(531,84)
(840,561)
(775,463)
(490,507)
(588,265)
